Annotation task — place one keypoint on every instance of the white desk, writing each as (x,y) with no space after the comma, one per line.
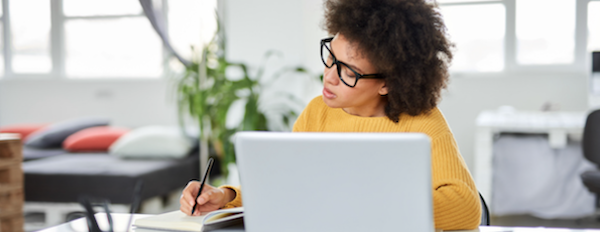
(558,125)
(120,221)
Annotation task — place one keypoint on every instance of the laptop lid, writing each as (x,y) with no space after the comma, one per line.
(335,181)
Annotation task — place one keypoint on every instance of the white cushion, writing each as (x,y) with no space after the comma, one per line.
(152,142)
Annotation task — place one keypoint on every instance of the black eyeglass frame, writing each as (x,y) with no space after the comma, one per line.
(338,63)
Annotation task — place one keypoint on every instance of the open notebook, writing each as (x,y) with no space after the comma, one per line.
(178,221)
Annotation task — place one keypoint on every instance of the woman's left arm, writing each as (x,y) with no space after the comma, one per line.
(455,197)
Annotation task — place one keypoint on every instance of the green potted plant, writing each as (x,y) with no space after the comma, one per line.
(206,94)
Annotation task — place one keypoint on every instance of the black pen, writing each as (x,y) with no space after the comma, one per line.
(208,167)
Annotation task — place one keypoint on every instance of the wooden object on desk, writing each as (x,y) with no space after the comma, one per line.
(11,183)
(557,124)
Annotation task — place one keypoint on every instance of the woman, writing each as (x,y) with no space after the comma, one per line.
(384,72)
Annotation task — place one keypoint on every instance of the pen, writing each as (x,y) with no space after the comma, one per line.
(208,167)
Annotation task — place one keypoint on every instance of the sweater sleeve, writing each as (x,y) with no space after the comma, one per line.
(237,201)
(455,197)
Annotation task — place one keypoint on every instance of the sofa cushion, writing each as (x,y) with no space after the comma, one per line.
(30,153)
(23,129)
(152,142)
(55,134)
(93,139)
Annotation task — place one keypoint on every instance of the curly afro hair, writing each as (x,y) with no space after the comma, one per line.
(405,40)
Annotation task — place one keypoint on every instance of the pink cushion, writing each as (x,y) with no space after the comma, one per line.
(93,139)
(23,129)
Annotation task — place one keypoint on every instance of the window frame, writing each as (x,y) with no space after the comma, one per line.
(581,59)
(58,48)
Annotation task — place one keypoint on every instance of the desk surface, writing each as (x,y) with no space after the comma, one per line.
(120,222)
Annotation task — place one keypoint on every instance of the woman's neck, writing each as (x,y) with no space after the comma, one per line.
(376,109)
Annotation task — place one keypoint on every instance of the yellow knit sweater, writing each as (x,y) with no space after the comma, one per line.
(455,199)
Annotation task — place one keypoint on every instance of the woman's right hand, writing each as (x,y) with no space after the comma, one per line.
(211,198)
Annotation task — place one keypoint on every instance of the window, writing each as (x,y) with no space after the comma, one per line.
(186,18)
(479,43)
(95,39)
(546,35)
(101,40)
(1,41)
(521,35)
(30,33)
(593,26)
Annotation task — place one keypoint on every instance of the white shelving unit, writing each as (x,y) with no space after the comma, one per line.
(558,125)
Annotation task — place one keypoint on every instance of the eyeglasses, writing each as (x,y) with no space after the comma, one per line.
(348,76)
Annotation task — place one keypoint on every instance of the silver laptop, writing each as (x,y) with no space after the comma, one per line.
(335,181)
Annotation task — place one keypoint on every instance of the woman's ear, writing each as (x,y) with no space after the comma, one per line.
(383,90)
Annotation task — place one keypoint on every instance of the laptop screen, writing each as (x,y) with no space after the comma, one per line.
(335,181)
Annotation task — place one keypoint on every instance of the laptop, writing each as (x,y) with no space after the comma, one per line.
(335,181)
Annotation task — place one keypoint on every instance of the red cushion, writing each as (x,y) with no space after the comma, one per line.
(23,129)
(93,139)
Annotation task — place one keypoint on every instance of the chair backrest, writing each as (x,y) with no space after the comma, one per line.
(591,137)
(485,212)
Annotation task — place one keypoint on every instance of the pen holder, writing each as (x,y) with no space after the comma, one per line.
(90,203)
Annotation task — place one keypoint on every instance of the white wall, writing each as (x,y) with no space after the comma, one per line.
(290,27)
(128,103)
